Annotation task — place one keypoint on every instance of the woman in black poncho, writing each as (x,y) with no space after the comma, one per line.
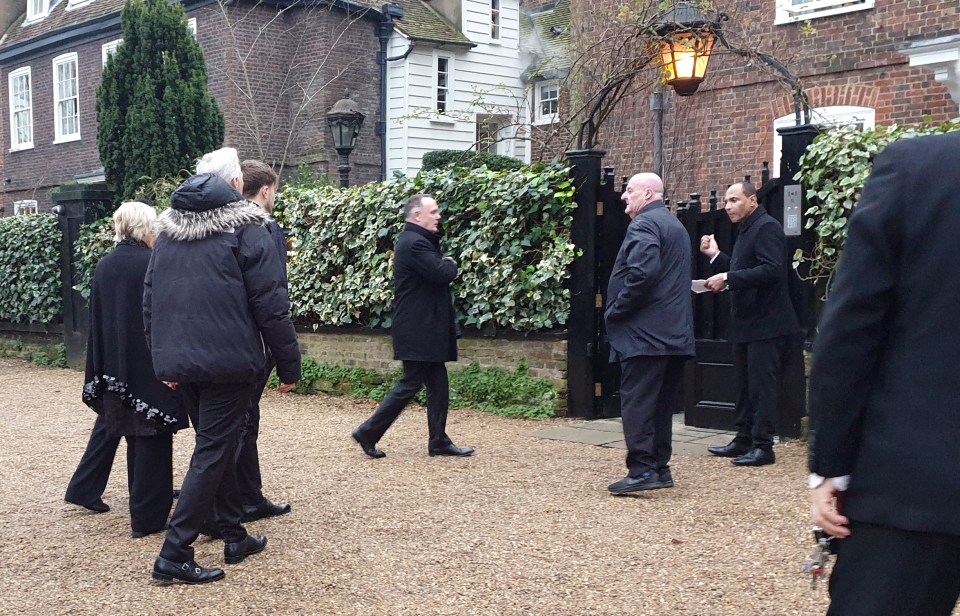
(121,387)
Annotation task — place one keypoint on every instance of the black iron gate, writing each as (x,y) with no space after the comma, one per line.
(710,388)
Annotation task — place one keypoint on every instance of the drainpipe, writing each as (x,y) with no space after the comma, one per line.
(384,30)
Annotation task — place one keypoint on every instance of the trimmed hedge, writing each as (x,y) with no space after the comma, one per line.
(30,265)
(508,231)
(469,159)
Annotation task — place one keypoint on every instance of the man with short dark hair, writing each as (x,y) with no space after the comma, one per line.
(213,301)
(260,184)
(424,330)
(762,320)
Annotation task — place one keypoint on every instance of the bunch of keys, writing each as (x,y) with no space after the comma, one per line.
(816,566)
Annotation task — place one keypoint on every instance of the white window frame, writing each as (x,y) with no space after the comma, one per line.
(835,115)
(76,4)
(33,14)
(788,12)
(60,137)
(538,116)
(110,48)
(496,21)
(25,206)
(192,26)
(13,76)
(448,87)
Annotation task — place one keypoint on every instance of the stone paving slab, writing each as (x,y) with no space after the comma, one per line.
(578,435)
(687,440)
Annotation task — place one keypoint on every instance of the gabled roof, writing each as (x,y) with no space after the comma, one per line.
(62,27)
(545,35)
(420,22)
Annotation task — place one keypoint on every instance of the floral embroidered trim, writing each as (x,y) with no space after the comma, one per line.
(95,389)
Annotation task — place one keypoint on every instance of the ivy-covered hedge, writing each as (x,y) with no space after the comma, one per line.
(30,267)
(834,170)
(508,231)
(469,159)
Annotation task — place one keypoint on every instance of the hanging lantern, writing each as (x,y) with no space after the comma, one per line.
(684,56)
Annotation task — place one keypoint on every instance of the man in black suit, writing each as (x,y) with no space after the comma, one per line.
(761,323)
(884,400)
(424,330)
(649,319)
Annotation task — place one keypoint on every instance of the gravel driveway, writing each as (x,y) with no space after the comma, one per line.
(524,527)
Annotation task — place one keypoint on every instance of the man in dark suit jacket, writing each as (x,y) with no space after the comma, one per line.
(424,330)
(761,323)
(649,318)
(884,400)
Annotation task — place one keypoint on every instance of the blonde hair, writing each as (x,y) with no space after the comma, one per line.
(134,220)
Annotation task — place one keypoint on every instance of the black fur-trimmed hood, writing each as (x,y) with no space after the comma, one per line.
(204,205)
(188,226)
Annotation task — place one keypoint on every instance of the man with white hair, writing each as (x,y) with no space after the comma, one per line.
(213,300)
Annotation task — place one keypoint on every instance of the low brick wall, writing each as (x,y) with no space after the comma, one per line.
(546,359)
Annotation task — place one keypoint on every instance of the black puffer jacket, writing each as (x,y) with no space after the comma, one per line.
(214,296)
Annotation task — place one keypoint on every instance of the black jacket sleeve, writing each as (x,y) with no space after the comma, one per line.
(642,251)
(428,262)
(768,252)
(853,329)
(263,278)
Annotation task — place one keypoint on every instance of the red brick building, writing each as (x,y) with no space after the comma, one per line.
(274,69)
(862,61)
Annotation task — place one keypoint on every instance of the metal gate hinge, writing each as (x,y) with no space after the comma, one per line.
(599,300)
(597,390)
(599,208)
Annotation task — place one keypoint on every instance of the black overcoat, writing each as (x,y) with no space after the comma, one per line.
(884,398)
(649,308)
(424,322)
(757,277)
(119,367)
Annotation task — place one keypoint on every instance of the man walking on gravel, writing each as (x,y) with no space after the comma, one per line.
(424,330)
(213,301)
(649,319)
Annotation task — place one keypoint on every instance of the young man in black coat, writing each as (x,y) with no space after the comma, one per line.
(649,319)
(213,302)
(424,330)
(761,322)
(884,399)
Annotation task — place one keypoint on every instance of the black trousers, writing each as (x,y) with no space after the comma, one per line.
(248,456)
(416,374)
(90,479)
(883,571)
(649,395)
(758,366)
(149,481)
(211,480)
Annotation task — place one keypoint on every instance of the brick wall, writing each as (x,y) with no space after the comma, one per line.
(725,131)
(259,83)
(546,359)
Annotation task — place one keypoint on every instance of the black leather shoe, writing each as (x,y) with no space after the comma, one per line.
(266,509)
(451,450)
(234,553)
(665,477)
(187,572)
(756,457)
(650,480)
(733,449)
(140,534)
(210,529)
(97,506)
(368,448)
